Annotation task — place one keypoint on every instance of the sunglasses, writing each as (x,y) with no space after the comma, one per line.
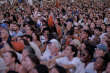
(83,54)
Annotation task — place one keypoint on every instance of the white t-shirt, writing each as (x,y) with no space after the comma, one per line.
(64,60)
(90,68)
(80,68)
(2,66)
(36,49)
(47,55)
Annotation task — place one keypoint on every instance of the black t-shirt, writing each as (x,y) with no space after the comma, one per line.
(10,71)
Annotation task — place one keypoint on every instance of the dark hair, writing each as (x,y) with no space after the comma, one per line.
(90,52)
(98,28)
(28,20)
(34,59)
(108,25)
(108,43)
(42,68)
(87,32)
(30,50)
(26,43)
(45,29)
(29,37)
(60,69)
(104,62)
(74,49)
(12,71)
(14,55)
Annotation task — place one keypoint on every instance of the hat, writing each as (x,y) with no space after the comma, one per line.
(102,47)
(58,45)
(4,25)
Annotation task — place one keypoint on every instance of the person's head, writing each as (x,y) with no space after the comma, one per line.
(30,62)
(103,27)
(108,68)
(76,29)
(58,69)
(70,50)
(35,36)
(14,27)
(12,72)
(28,30)
(86,54)
(54,46)
(40,69)
(99,64)
(108,44)
(100,50)
(4,34)
(92,26)
(98,31)
(45,31)
(84,34)
(108,29)
(69,25)
(29,38)
(10,57)
(27,50)
(104,40)
(75,42)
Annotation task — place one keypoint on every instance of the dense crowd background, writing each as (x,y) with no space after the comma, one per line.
(55,37)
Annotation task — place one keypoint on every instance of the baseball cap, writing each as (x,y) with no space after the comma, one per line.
(102,47)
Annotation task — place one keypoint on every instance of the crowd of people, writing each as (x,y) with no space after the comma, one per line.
(55,37)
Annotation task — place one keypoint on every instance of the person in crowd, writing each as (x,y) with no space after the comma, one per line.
(40,69)
(11,60)
(73,34)
(58,69)
(97,66)
(30,62)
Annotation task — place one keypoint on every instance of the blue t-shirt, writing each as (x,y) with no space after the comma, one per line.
(19,1)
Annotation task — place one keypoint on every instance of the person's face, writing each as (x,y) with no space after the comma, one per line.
(86,27)
(28,30)
(46,33)
(33,71)
(68,51)
(53,48)
(84,35)
(34,36)
(8,58)
(4,33)
(104,38)
(92,25)
(24,54)
(108,68)
(13,27)
(82,46)
(99,53)
(98,64)
(69,25)
(54,70)
(84,55)
(97,32)
(103,26)
(76,30)
(108,29)
(27,64)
